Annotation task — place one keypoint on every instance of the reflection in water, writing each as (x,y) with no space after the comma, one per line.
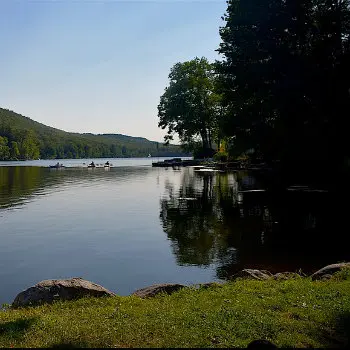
(18,184)
(194,218)
(96,224)
(105,227)
(212,219)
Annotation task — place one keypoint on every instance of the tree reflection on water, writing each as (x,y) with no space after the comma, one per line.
(193,220)
(210,219)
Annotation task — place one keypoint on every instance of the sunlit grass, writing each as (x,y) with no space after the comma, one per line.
(292,313)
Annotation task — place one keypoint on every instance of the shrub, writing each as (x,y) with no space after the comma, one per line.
(221,157)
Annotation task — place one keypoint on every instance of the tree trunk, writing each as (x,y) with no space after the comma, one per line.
(210,142)
(204,139)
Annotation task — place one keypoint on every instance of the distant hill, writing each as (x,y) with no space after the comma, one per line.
(24,138)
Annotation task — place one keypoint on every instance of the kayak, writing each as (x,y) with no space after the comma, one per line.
(56,166)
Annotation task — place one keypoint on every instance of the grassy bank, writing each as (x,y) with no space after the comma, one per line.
(291,313)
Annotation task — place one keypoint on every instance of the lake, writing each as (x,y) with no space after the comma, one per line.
(133,225)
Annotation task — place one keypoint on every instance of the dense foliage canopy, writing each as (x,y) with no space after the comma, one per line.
(285,78)
(281,91)
(23,138)
(190,105)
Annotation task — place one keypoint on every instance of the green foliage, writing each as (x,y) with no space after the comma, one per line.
(29,148)
(342,275)
(14,151)
(23,138)
(4,149)
(221,156)
(285,78)
(292,313)
(189,105)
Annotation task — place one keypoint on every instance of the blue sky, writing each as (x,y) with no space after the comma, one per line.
(99,66)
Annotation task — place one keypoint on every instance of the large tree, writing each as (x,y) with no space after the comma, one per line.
(284,77)
(189,105)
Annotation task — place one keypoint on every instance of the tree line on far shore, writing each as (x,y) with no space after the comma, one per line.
(280,93)
(22,138)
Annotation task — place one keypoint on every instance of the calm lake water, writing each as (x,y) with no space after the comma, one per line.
(133,225)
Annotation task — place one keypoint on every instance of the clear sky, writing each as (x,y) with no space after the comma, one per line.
(99,66)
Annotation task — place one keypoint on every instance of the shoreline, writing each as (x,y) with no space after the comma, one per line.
(294,311)
(48,291)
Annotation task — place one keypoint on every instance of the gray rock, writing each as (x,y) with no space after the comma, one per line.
(329,270)
(155,289)
(253,273)
(49,290)
(325,277)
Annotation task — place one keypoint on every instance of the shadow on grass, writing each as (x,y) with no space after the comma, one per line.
(69,345)
(16,329)
(339,337)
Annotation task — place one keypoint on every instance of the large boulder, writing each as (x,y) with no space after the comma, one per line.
(49,290)
(155,289)
(253,273)
(329,270)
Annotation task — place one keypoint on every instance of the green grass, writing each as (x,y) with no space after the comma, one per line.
(292,313)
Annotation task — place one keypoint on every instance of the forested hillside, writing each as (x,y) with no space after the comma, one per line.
(23,138)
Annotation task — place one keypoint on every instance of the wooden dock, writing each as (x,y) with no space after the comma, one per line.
(176,162)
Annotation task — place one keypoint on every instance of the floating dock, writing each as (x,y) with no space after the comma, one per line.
(176,162)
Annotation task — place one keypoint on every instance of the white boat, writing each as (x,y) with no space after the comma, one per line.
(208,170)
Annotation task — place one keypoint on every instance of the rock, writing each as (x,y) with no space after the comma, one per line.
(329,270)
(325,277)
(49,290)
(252,273)
(285,275)
(155,289)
